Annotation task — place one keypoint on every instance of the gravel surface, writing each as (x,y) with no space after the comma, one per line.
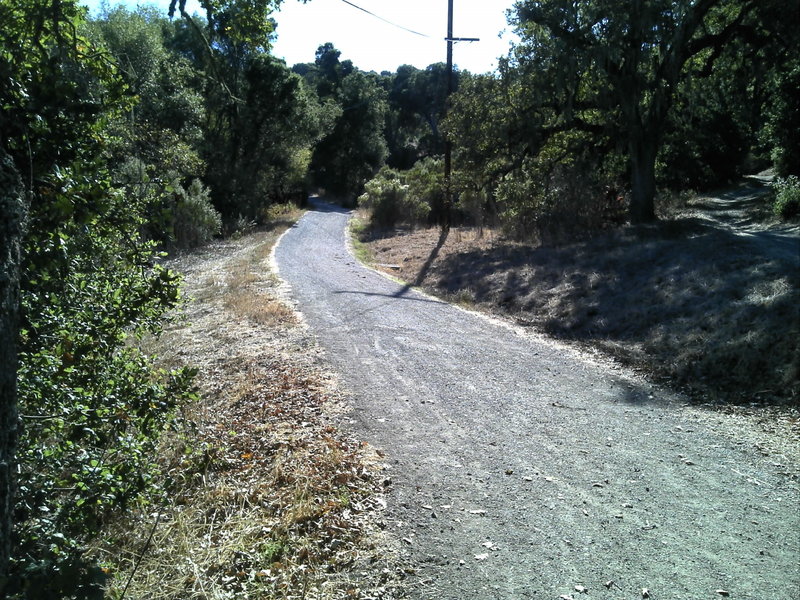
(522,469)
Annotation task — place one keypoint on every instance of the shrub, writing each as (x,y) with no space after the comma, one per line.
(93,406)
(425,186)
(195,221)
(556,205)
(390,200)
(787,199)
(183,217)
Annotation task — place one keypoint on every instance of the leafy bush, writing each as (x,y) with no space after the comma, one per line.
(195,219)
(390,200)
(425,185)
(93,406)
(787,200)
(183,217)
(557,204)
(780,131)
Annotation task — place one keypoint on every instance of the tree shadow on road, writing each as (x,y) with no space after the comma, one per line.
(401,294)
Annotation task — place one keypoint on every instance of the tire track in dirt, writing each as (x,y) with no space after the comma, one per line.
(521,469)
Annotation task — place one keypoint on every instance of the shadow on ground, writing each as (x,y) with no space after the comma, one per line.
(713,310)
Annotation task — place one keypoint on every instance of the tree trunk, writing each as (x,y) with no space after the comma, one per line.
(642,150)
(12,217)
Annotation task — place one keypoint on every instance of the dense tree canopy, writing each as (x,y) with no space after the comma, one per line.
(626,96)
(355,147)
(617,66)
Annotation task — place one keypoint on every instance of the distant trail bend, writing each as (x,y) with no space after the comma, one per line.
(521,469)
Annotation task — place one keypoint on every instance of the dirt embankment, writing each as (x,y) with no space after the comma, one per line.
(708,301)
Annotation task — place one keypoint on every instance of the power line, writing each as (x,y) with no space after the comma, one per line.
(385,20)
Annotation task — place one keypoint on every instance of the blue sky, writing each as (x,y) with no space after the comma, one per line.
(373,44)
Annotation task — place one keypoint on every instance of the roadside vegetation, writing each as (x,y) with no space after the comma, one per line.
(126,136)
(264,496)
(132,134)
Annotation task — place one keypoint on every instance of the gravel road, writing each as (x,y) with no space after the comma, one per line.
(523,469)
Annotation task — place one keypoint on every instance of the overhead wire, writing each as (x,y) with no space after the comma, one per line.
(385,20)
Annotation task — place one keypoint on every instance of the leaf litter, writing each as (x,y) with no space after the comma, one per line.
(268,498)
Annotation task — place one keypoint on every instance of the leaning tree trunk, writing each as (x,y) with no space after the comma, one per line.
(12,213)
(642,151)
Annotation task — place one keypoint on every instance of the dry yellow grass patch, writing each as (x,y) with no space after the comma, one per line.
(266,498)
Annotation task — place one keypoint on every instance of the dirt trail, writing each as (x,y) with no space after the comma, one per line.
(523,469)
(743,211)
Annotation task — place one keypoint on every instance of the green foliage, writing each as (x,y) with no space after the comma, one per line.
(708,136)
(634,93)
(173,215)
(195,219)
(212,104)
(553,202)
(541,181)
(394,197)
(354,149)
(245,24)
(784,120)
(611,69)
(416,106)
(92,405)
(155,145)
(260,153)
(787,198)
(739,114)
(425,182)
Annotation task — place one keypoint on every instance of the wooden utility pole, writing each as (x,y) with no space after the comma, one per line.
(448,146)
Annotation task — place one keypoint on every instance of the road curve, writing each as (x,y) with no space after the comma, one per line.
(521,469)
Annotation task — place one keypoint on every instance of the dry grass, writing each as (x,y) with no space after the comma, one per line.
(246,296)
(267,498)
(709,310)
